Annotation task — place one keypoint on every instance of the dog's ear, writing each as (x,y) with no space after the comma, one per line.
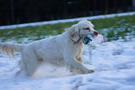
(74,30)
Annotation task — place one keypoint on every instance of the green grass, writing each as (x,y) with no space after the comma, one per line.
(111,28)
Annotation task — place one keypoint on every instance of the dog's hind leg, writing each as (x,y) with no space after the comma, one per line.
(30,63)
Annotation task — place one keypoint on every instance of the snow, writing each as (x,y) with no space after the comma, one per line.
(114,64)
(66,20)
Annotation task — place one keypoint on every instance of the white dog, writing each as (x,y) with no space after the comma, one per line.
(65,49)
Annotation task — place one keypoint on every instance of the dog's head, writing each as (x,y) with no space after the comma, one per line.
(86,27)
(81,29)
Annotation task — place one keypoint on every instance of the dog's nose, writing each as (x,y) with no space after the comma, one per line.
(95,33)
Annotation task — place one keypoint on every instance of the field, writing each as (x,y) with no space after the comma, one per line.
(111,28)
(113,60)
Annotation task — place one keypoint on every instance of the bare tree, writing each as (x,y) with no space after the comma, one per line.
(12,11)
(133,4)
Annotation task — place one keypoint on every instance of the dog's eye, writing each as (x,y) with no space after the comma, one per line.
(86,28)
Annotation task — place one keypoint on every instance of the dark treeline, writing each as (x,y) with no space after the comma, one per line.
(23,11)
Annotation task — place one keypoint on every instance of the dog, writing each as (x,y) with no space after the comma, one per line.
(65,48)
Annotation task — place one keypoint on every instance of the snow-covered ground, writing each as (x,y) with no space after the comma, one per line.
(114,64)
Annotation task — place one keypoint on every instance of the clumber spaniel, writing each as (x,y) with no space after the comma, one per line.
(65,48)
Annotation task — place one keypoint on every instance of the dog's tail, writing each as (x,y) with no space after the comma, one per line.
(9,48)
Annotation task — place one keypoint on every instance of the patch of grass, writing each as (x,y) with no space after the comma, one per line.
(119,28)
(111,28)
(34,31)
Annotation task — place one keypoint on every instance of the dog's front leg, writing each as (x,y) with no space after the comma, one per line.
(77,64)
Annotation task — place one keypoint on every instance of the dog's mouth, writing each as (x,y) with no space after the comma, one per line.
(92,39)
(89,38)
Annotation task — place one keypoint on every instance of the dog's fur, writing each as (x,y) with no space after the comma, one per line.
(65,49)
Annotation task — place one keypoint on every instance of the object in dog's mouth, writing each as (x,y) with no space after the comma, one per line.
(99,39)
(88,39)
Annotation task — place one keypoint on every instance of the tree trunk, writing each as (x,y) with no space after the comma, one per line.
(133,4)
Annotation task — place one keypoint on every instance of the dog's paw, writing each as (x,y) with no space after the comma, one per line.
(91,71)
(87,71)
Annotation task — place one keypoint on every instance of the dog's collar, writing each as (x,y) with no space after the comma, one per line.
(75,42)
